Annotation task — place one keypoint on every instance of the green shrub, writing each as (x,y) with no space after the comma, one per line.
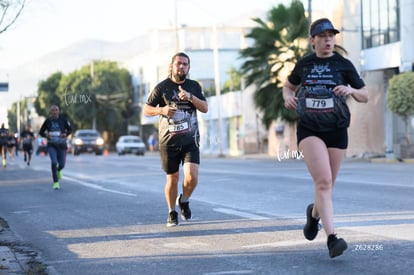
(400,97)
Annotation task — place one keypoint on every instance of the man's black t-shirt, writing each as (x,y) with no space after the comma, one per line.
(318,107)
(55,128)
(182,129)
(4,136)
(27,138)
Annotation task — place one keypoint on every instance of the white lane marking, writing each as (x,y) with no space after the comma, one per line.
(240,214)
(98,187)
(230,272)
(21,212)
(91,185)
(293,243)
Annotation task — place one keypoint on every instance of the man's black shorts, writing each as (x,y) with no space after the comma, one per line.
(173,156)
(28,148)
(332,139)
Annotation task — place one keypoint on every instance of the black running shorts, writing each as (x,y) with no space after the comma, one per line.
(173,156)
(28,148)
(332,139)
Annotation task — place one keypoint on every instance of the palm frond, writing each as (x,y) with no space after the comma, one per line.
(277,43)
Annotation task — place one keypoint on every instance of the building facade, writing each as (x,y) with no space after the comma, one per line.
(384,30)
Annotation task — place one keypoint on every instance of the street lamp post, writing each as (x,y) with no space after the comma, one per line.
(216,71)
(18,116)
(94,104)
(218,89)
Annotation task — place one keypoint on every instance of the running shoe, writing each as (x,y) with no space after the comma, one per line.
(172,219)
(336,246)
(56,185)
(185,208)
(59,174)
(310,230)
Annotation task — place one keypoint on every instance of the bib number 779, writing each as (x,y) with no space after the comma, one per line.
(319,103)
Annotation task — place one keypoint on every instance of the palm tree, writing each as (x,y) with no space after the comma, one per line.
(278,43)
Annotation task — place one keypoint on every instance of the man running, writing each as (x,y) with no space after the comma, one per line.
(56,128)
(4,139)
(27,138)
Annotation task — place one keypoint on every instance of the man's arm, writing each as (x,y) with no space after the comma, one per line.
(151,110)
(68,127)
(42,131)
(200,105)
(166,111)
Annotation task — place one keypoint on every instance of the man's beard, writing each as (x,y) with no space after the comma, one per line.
(181,77)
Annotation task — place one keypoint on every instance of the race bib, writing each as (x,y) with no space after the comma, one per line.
(179,127)
(54,133)
(319,103)
(27,140)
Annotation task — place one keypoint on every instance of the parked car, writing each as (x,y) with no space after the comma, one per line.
(69,145)
(41,146)
(87,141)
(130,145)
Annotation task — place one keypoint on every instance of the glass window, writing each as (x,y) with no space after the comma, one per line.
(380,22)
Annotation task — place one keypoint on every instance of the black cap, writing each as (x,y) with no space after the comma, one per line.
(321,26)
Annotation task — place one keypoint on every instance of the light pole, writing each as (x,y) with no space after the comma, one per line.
(218,89)
(216,60)
(18,115)
(94,104)
(177,43)
(310,19)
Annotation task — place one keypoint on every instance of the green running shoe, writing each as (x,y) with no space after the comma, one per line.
(56,185)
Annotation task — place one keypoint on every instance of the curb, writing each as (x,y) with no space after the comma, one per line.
(390,160)
(15,257)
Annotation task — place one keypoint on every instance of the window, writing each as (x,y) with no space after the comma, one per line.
(380,22)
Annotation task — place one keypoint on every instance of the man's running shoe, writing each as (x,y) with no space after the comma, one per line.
(59,174)
(56,186)
(185,208)
(336,246)
(312,225)
(172,219)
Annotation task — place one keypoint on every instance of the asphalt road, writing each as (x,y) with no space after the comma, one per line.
(109,217)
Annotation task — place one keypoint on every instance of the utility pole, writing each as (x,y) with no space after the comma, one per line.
(310,19)
(139,103)
(94,103)
(177,43)
(18,115)
(218,89)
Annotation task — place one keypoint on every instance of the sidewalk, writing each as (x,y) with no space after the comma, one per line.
(16,257)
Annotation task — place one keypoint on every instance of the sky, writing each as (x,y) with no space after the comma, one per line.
(49,25)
